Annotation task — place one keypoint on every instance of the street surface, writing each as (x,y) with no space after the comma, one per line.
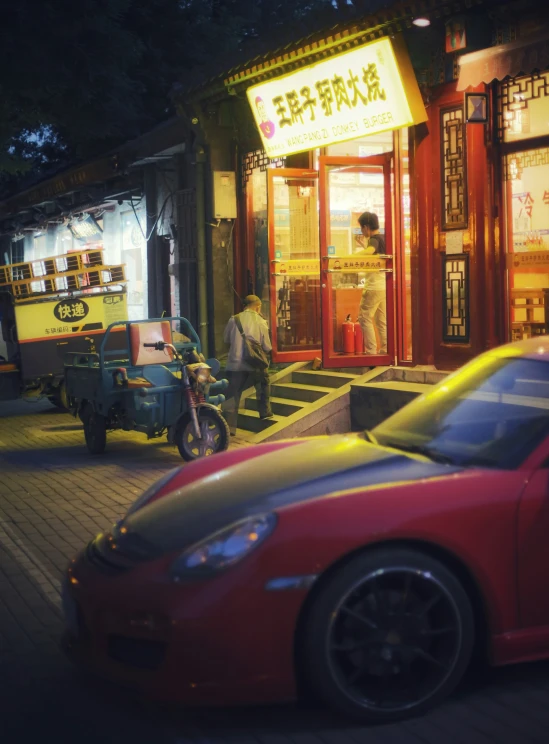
(54,497)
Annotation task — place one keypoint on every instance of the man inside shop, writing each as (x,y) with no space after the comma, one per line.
(372,315)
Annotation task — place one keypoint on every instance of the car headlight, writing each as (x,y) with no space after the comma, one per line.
(151,491)
(224,548)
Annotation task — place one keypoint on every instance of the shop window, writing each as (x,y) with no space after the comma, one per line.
(254,168)
(295,232)
(64,242)
(258,233)
(523,106)
(17,251)
(455,278)
(527,213)
(374,144)
(453,171)
(134,255)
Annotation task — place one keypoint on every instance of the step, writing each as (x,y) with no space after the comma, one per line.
(295,391)
(322,378)
(249,421)
(400,385)
(279,406)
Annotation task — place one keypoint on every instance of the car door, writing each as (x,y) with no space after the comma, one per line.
(533,543)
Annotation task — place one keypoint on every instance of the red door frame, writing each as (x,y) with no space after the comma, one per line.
(329,360)
(312,175)
(446,355)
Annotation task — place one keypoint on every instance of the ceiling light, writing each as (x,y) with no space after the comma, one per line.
(421,22)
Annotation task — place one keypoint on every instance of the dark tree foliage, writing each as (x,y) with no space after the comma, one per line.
(80,76)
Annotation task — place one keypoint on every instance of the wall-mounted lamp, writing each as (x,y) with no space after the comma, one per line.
(422,22)
(476,108)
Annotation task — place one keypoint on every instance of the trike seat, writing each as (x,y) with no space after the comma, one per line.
(150,333)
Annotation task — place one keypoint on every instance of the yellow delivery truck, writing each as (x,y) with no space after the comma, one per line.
(51,306)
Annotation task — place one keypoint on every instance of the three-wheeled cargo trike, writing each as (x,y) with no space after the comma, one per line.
(149,376)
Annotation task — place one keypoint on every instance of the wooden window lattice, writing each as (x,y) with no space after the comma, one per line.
(257,159)
(514,95)
(516,163)
(454,169)
(455,299)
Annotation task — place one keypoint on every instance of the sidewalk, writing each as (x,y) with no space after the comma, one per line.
(54,496)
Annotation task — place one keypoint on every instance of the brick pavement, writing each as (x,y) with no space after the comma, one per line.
(54,496)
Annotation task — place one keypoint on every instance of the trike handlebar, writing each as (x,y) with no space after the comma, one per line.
(161,346)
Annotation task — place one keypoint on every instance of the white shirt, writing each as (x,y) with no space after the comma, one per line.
(255,328)
(375,280)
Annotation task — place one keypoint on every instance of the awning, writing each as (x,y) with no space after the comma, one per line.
(496,63)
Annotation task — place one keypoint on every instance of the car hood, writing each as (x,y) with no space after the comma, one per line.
(310,469)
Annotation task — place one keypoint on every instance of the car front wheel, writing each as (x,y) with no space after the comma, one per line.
(388,636)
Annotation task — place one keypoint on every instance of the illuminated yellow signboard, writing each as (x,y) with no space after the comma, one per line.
(369,89)
(69,316)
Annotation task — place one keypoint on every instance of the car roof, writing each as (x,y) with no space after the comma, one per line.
(531,348)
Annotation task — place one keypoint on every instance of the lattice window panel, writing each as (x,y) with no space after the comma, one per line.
(455,299)
(257,159)
(504,34)
(514,94)
(516,163)
(454,169)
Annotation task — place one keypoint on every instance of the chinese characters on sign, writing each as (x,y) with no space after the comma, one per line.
(59,329)
(71,309)
(301,267)
(356,264)
(332,95)
(359,92)
(297,266)
(526,259)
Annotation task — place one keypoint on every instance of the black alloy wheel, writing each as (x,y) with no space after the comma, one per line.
(388,636)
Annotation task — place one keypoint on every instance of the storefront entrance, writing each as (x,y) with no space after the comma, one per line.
(330,298)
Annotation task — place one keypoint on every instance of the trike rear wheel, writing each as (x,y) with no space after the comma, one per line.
(95,431)
(214,430)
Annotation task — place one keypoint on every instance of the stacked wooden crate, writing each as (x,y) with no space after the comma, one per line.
(72,272)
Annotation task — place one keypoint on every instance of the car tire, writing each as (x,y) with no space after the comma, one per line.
(388,636)
(95,431)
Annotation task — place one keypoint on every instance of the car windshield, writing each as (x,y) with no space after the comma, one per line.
(490,413)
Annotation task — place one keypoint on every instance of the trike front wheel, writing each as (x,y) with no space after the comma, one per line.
(95,431)
(214,430)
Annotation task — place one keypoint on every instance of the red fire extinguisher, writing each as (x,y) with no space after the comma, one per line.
(359,338)
(348,329)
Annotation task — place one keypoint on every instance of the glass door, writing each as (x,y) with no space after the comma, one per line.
(294,264)
(357,279)
(526,175)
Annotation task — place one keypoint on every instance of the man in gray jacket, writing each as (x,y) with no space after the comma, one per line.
(240,374)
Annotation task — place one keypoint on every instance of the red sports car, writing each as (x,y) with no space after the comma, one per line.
(366,569)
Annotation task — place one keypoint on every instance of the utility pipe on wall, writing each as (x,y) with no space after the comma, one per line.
(201,249)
